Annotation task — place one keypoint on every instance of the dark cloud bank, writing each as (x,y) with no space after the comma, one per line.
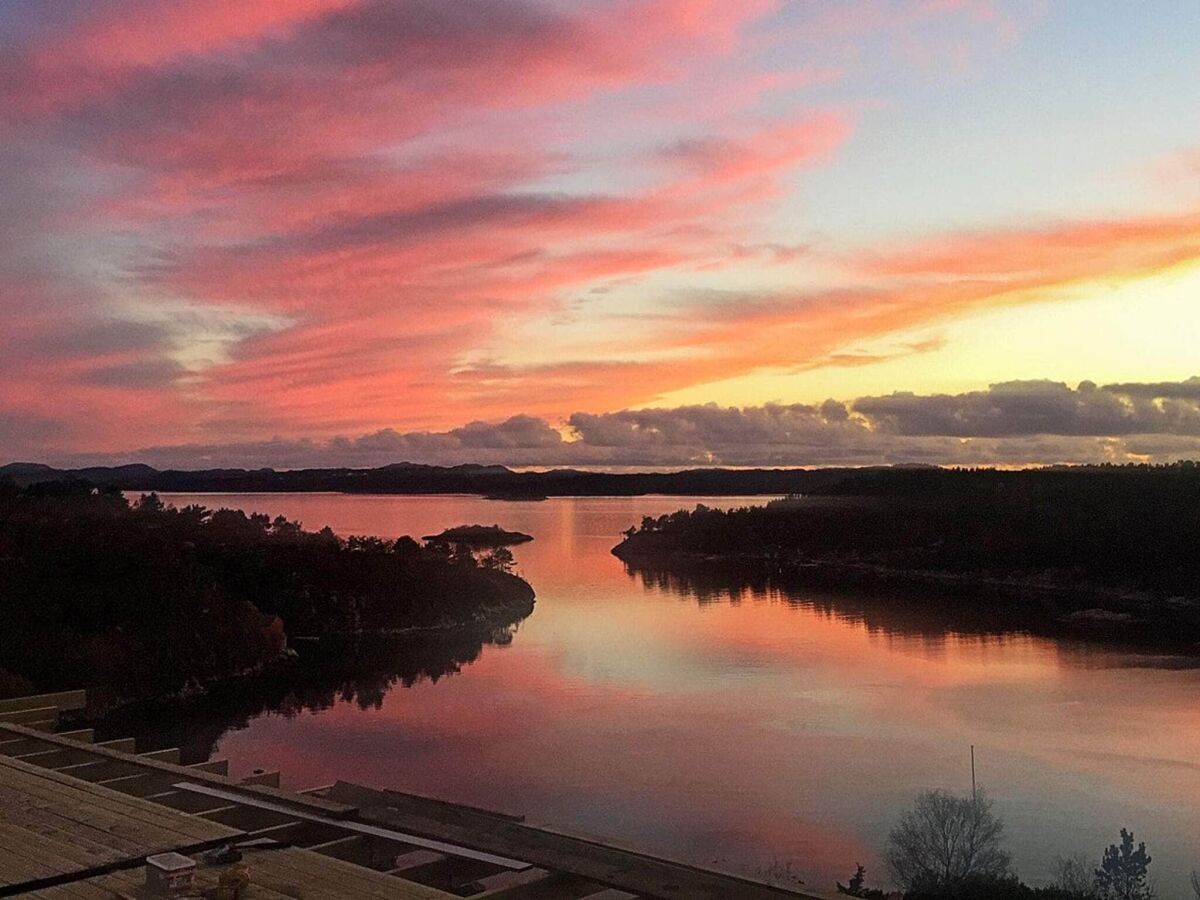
(1014,423)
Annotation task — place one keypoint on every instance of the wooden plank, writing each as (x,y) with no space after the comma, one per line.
(168,754)
(101,835)
(33,714)
(124,781)
(334,878)
(56,757)
(215,766)
(600,863)
(274,875)
(125,745)
(65,700)
(352,848)
(559,886)
(130,884)
(50,785)
(48,829)
(374,830)
(502,881)
(19,745)
(414,858)
(287,873)
(102,771)
(282,832)
(83,735)
(322,805)
(70,845)
(186,802)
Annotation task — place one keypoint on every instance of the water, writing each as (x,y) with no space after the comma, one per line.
(752,730)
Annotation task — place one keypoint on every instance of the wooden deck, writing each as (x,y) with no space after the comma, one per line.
(53,826)
(78,819)
(625,870)
(274,874)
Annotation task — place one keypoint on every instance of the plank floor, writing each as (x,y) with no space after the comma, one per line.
(52,825)
(87,815)
(274,874)
(566,855)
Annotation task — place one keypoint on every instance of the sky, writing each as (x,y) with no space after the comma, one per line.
(599,232)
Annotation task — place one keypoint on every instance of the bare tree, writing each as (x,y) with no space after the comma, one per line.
(945,839)
(1196,884)
(1074,876)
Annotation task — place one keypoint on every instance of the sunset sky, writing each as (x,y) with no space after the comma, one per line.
(599,233)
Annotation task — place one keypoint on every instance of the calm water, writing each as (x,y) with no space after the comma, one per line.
(751,728)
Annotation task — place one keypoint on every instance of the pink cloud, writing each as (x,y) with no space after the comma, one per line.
(393,186)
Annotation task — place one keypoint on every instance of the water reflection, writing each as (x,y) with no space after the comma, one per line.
(928,613)
(357,671)
(741,722)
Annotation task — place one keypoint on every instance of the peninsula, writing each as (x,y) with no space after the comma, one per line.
(143,600)
(1101,550)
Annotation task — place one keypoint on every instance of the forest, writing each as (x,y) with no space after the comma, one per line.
(1110,547)
(144,600)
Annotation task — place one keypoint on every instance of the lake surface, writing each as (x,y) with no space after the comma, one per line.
(747,729)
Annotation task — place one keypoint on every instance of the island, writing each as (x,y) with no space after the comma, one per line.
(142,600)
(1104,551)
(479,536)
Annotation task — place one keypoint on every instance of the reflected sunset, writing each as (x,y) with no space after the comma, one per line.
(744,728)
(753,446)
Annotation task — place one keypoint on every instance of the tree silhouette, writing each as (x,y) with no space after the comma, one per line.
(945,840)
(856,886)
(1123,871)
(501,558)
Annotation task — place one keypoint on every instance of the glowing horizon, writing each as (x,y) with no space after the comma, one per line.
(545,233)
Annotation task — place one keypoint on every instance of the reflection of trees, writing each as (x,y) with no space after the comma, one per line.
(895,608)
(358,670)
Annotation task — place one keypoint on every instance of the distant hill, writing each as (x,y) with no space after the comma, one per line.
(413,478)
(501,483)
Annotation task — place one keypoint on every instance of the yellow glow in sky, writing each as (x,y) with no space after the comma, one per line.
(1143,329)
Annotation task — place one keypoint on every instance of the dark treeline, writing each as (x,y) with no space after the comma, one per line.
(409,478)
(1119,542)
(145,599)
(504,483)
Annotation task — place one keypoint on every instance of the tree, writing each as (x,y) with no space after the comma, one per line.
(462,555)
(1123,871)
(857,879)
(501,558)
(150,503)
(856,887)
(1075,877)
(944,840)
